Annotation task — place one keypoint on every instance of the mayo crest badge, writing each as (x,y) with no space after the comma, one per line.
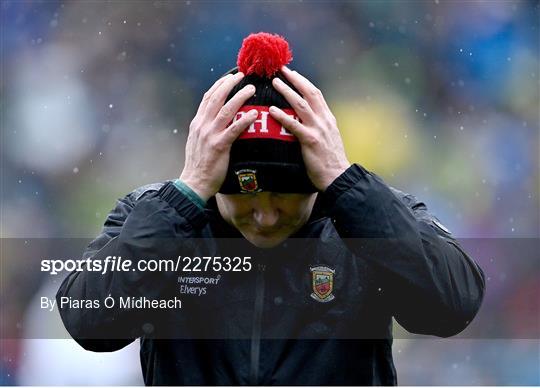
(248,181)
(322,280)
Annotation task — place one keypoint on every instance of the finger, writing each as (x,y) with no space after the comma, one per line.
(218,98)
(236,128)
(210,92)
(228,111)
(288,122)
(300,106)
(310,92)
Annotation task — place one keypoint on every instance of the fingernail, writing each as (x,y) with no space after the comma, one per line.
(277,80)
(254,112)
(250,88)
(285,68)
(273,109)
(239,74)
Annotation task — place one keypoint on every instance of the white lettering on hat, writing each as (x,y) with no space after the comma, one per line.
(265,126)
(284,132)
(263,121)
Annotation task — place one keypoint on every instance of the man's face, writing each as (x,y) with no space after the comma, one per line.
(266,219)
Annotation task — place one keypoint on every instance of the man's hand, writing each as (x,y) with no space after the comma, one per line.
(210,139)
(322,147)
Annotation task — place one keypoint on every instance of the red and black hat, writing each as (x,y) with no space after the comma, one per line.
(265,157)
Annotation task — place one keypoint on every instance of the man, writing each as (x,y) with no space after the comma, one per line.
(334,252)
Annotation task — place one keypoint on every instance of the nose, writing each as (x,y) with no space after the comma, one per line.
(265,214)
(266,218)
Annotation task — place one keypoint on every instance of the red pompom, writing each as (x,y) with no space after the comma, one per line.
(263,54)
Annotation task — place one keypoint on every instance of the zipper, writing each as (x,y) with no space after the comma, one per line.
(257,321)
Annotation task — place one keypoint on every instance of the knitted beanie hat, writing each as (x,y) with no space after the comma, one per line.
(265,157)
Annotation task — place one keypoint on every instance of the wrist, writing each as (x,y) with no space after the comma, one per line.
(190,194)
(333,175)
(197,188)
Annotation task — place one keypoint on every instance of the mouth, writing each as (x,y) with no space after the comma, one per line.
(265,232)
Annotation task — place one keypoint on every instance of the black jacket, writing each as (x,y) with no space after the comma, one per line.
(381,254)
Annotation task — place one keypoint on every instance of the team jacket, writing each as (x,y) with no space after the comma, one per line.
(315,313)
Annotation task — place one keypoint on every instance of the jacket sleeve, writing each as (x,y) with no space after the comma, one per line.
(431,285)
(145,224)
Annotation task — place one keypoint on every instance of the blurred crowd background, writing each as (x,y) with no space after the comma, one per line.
(440,98)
